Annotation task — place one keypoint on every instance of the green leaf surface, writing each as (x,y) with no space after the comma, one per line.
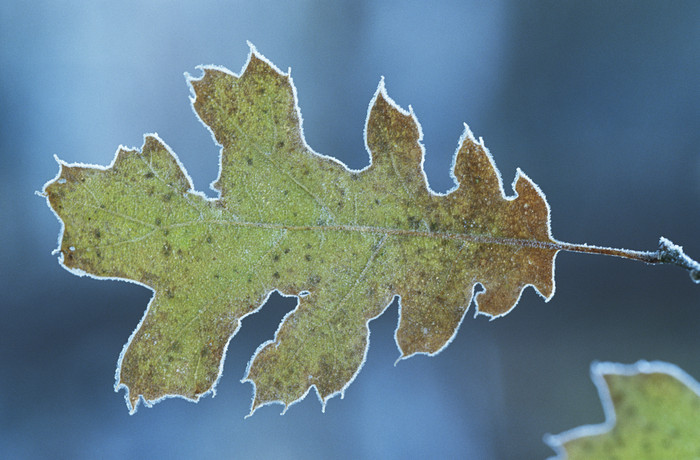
(652,411)
(345,242)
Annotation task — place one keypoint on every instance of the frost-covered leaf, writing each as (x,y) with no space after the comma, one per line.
(652,411)
(345,242)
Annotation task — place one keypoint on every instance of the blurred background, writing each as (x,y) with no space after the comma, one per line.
(596,101)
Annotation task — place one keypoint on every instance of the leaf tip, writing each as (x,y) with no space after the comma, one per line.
(132,404)
(191,81)
(381,87)
(467,134)
(251,47)
(255,402)
(384,94)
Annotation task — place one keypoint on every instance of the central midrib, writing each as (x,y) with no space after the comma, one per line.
(475,238)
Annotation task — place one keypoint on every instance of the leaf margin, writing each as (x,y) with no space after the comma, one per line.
(380,91)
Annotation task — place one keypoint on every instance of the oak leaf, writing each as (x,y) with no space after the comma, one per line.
(289,219)
(652,411)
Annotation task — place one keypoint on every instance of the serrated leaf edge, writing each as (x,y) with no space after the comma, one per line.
(381,90)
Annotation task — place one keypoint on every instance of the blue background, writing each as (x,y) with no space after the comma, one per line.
(596,101)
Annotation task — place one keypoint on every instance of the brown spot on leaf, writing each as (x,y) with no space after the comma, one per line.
(314,280)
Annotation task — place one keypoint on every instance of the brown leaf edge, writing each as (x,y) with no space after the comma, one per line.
(598,372)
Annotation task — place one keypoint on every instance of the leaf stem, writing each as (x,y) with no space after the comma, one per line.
(668,253)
